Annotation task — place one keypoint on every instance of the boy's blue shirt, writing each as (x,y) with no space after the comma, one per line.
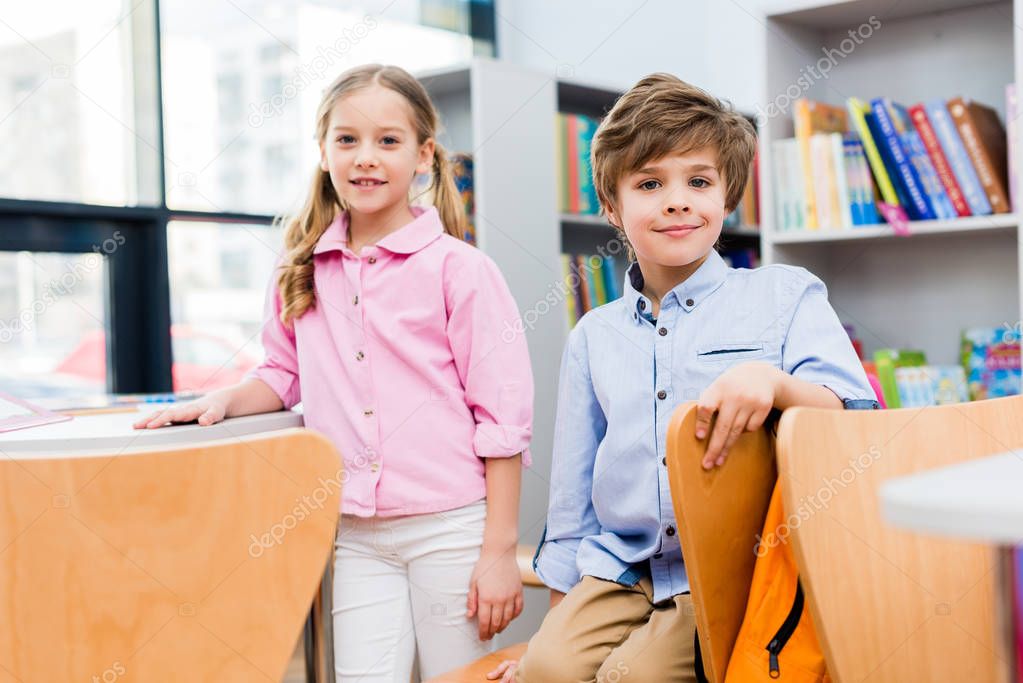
(622,375)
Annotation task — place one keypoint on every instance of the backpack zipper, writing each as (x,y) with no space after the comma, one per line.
(785,632)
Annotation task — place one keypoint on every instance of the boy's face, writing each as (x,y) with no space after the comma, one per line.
(672,208)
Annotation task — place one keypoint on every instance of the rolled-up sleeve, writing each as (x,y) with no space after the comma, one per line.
(579,428)
(817,348)
(488,343)
(279,369)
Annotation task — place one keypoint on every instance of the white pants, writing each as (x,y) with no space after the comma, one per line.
(400,586)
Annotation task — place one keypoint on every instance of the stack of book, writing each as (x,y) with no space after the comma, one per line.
(935,160)
(747,213)
(590,281)
(989,368)
(573,135)
(423,190)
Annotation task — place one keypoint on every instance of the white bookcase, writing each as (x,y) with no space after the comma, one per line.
(504,115)
(917,291)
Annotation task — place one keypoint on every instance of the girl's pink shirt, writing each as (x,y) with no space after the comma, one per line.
(413,362)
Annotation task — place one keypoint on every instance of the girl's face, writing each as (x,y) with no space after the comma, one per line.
(371,151)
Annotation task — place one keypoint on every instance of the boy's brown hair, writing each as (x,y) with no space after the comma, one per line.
(663,115)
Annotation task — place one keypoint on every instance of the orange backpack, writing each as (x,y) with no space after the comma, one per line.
(777,640)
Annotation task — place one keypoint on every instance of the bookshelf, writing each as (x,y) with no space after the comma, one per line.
(504,115)
(920,290)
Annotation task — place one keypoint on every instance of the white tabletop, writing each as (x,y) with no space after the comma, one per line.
(86,434)
(980,500)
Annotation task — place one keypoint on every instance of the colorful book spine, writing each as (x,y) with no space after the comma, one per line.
(572,158)
(842,192)
(958,159)
(596,266)
(587,128)
(858,112)
(984,139)
(1012,133)
(611,278)
(918,207)
(850,147)
(918,115)
(561,160)
(566,271)
(823,177)
(803,132)
(933,188)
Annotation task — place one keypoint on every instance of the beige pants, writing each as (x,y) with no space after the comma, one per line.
(604,632)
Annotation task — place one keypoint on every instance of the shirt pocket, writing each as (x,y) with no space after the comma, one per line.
(724,352)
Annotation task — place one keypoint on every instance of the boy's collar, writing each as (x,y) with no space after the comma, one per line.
(408,239)
(688,294)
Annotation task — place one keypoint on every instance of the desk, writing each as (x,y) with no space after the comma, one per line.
(979,500)
(112,433)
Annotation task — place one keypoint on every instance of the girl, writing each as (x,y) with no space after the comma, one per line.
(387,326)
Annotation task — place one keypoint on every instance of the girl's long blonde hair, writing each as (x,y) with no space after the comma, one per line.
(303,230)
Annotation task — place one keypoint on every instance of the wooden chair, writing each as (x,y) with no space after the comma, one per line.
(718,514)
(891,605)
(195,563)
(725,560)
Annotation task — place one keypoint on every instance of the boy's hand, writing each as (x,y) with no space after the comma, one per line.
(742,397)
(495,593)
(206,410)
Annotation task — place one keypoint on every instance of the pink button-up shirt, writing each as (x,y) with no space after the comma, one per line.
(412,363)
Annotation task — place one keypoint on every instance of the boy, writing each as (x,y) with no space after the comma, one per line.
(669,163)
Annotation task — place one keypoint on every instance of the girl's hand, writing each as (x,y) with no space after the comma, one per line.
(506,670)
(742,397)
(495,593)
(207,410)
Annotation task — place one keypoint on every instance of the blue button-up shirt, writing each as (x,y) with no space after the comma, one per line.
(622,376)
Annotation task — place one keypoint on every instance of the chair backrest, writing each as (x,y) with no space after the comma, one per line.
(890,605)
(194,563)
(719,515)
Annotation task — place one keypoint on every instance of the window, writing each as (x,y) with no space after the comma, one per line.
(52,323)
(84,90)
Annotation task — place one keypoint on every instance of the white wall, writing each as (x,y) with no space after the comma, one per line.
(715,45)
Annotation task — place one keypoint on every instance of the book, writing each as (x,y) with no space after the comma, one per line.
(1012,144)
(991,359)
(566,271)
(887,361)
(962,168)
(933,189)
(897,157)
(611,278)
(929,139)
(843,196)
(984,139)
(812,117)
(859,112)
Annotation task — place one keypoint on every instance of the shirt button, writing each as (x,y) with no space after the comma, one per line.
(662,394)
(642,305)
(375,467)
(360,355)
(664,461)
(367,412)
(372,259)
(689,302)
(635,316)
(670,530)
(355,300)
(663,332)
